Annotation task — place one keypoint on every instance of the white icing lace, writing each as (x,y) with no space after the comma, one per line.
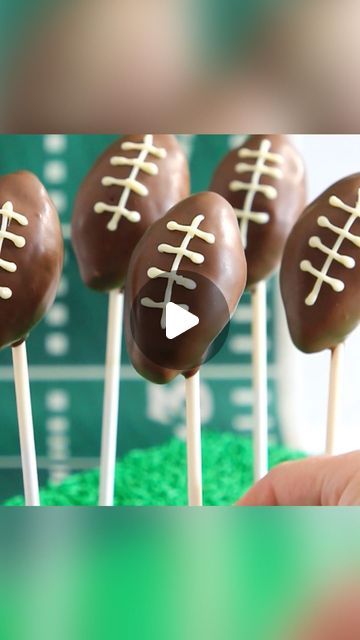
(180,252)
(259,169)
(8,214)
(132,183)
(342,233)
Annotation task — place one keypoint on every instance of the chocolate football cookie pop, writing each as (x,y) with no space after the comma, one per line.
(133,183)
(320,280)
(192,259)
(31,258)
(264,180)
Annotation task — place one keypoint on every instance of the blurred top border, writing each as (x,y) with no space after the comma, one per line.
(189,66)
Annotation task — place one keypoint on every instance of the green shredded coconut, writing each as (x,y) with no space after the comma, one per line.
(157,476)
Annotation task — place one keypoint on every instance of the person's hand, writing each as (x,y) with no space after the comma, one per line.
(323,481)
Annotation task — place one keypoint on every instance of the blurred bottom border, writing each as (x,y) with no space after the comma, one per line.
(171,572)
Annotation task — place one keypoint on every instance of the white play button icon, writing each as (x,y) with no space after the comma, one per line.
(157,323)
(178,320)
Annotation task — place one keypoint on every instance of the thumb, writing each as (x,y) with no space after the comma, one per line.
(317,481)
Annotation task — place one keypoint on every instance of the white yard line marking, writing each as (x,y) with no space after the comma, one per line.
(95,373)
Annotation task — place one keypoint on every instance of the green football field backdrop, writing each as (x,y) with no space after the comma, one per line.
(66,351)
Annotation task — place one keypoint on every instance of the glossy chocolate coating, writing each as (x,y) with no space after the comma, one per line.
(38,262)
(224,265)
(103,255)
(264,242)
(328,316)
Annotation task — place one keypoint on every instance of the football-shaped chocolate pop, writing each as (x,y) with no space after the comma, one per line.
(320,271)
(31,255)
(133,183)
(192,257)
(264,180)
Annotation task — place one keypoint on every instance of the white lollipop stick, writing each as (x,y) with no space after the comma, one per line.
(336,369)
(259,332)
(26,428)
(111,399)
(193,434)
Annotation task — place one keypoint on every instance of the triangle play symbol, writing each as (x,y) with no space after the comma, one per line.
(178,320)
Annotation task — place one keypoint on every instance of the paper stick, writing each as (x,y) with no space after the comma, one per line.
(26,428)
(111,399)
(193,433)
(259,332)
(336,369)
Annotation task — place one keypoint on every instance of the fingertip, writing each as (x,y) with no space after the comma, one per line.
(260,495)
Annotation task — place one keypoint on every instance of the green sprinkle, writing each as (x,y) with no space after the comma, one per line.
(157,476)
